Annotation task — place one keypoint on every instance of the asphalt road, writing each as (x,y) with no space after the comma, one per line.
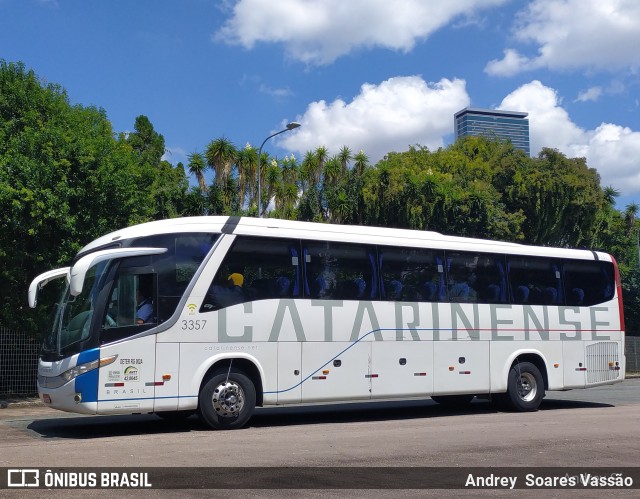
(598,427)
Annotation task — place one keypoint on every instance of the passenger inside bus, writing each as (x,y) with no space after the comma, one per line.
(144,310)
(230,292)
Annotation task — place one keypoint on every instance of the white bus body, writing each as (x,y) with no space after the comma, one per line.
(268,312)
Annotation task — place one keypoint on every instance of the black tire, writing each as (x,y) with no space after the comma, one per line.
(525,388)
(453,400)
(226,400)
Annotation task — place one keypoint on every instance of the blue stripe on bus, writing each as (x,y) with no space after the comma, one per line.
(330,360)
(87,383)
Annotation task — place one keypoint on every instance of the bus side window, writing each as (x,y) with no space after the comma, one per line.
(411,274)
(340,271)
(255,268)
(132,301)
(534,281)
(462,277)
(176,267)
(587,283)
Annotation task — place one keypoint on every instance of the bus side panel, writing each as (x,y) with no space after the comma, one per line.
(574,365)
(336,371)
(401,368)
(127,385)
(460,367)
(289,363)
(167,370)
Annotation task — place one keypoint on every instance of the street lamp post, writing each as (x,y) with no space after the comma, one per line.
(290,126)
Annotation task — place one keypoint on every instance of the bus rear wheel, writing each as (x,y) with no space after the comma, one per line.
(525,388)
(227,400)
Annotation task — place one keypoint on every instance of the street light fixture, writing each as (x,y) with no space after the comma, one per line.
(290,126)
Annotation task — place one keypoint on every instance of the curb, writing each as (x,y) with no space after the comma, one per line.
(26,402)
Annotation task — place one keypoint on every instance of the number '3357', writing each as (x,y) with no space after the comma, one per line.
(193,324)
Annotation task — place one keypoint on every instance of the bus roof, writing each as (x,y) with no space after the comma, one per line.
(345,233)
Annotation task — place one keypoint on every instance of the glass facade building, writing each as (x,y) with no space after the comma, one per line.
(492,123)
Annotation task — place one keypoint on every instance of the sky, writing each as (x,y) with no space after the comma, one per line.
(374,75)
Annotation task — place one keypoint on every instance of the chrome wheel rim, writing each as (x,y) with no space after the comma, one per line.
(228,399)
(527,387)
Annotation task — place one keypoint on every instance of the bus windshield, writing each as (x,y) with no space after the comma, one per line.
(71,320)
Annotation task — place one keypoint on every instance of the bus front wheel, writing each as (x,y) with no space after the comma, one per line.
(525,387)
(227,400)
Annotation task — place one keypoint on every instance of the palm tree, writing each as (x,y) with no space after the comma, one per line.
(221,155)
(197,166)
(247,164)
(307,169)
(332,171)
(273,180)
(610,195)
(630,214)
(322,154)
(361,162)
(345,156)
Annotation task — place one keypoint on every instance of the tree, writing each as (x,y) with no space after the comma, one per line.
(64,180)
(146,142)
(221,156)
(247,164)
(197,167)
(345,156)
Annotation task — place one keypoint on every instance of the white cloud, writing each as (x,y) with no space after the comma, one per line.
(615,152)
(398,112)
(511,64)
(590,94)
(570,34)
(278,93)
(320,31)
(612,149)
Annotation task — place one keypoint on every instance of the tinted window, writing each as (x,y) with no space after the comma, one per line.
(176,267)
(476,277)
(412,274)
(132,305)
(255,269)
(339,271)
(535,281)
(588,283)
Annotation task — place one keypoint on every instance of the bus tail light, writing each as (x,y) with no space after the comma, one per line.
(619,292)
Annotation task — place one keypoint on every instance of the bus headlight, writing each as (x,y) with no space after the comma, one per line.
(76,371)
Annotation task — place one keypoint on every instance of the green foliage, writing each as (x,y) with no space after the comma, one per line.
(65,180)
(449,191)
(631,299)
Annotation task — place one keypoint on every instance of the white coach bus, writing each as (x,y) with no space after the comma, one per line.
(222,314)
